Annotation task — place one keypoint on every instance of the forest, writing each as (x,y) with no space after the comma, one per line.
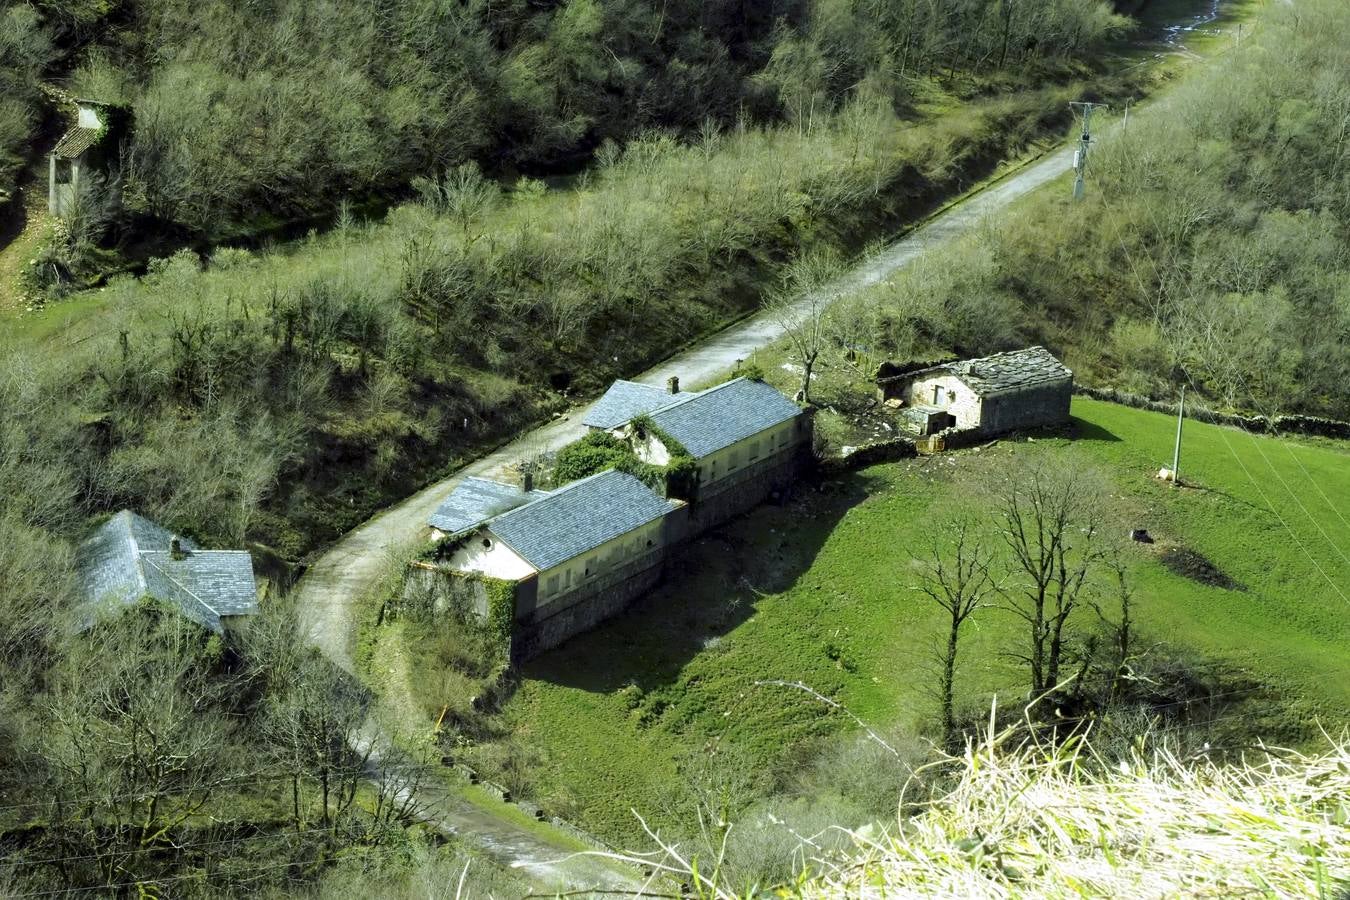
(519,201)
(257,113)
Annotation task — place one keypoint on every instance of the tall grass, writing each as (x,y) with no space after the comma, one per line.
(1038,821)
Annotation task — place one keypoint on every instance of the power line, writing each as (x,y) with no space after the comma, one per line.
(1301,546)
(1316,524)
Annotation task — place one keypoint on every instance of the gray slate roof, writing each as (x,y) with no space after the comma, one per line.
(579,517)
(722,415)
(626,399)
(76,141)
(1001,373)
(474,501)
(128,558)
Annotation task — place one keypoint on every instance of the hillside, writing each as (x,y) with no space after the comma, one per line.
(330,258)
(822,590)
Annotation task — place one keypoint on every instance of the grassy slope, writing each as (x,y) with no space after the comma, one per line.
(817,591)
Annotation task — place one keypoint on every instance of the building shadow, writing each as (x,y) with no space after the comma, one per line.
(711,585)
(1083,430)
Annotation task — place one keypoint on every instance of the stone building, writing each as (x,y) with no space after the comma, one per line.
(78,154)
(569,557)
(130,558)
(745,440)
(563,560)
(1007,391)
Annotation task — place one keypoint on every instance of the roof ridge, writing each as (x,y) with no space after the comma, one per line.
(696,395)
(169,575)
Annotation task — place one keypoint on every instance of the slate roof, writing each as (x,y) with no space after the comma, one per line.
(579,517)
(722,415)
(474,501)
(626,399)
(1001,373)
(76,141)
(128,558)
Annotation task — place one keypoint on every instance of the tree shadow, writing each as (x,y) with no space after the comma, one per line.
(711,585)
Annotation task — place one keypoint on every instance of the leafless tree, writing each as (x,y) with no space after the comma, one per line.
(956,577)
(799,308)
(1050,514)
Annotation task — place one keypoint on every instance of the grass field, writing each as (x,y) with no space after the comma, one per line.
(819,590)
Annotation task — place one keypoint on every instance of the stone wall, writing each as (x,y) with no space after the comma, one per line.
(583,609)
(1032,408)
(746,489)
(1313,425)
(431,589)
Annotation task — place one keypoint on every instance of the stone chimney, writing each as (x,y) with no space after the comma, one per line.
(527,481)
(176,548)
(673,384)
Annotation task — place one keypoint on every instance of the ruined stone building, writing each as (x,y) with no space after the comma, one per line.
(1005,392)
(79,154)
(130,558)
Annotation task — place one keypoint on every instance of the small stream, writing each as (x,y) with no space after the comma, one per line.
(1173,35)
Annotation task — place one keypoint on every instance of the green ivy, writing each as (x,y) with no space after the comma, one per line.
(501,607)
(680,475)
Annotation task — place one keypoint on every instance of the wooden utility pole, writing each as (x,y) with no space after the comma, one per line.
(1176,450)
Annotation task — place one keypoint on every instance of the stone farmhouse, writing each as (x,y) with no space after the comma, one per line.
(745,440)
(554,563)
(1007,391)
(129,558)
(543,566)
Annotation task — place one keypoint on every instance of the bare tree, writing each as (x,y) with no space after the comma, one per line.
(956,577)
(799,306)
(1050,514)
(1121,629)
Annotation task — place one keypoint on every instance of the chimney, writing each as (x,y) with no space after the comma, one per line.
(176,548)
(673,384)
(527,481)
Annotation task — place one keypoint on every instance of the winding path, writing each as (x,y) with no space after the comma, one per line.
(349,570)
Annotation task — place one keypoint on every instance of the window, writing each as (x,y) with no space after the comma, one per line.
(552,586)
(754,450)
(733,459)
(592,566)
(951,396)
(487,543)
(937,394)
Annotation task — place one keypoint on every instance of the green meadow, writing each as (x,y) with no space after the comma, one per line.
(820,590)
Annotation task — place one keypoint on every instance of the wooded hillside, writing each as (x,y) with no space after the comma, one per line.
(249,114)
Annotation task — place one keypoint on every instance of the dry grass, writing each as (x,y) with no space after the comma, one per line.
(1024,819)
(1041,822)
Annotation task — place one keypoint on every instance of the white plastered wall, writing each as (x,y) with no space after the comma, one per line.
(485,554)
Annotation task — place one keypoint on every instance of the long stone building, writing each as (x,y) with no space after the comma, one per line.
(545,565)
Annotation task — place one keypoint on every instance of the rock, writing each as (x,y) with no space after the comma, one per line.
(1141,535)
(847,451)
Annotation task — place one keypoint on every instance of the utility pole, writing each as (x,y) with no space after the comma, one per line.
(1080,156)
(1176,450)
